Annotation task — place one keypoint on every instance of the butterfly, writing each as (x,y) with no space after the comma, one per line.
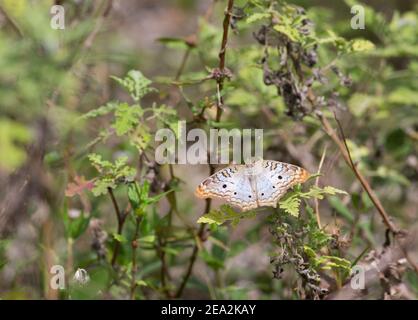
(249,186)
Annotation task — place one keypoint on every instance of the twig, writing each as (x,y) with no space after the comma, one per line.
(222,54)
(321,162)
(183,63)
(12,22)
(219,87)
(164,273)
(398,233)
(121,217)
(372,274)
(194,253)
(365,184)
(134,245)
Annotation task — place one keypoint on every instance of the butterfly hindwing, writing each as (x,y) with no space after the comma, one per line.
(276,179)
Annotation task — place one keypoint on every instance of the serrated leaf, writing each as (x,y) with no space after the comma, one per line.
(136,84)
(141,137)
(101,111)
(333,191)
(291,205)
(78,186)
(258,16)
(127,117)
(288,31)
(110,175)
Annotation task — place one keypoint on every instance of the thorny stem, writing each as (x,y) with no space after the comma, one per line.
(222,54)
(219,87)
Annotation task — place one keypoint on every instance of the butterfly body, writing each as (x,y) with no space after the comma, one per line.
(254,185)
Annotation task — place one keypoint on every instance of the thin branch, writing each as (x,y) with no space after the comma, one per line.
(193,257)
(321,162)
(164,273)
(226,23)
(12,22)
(134,269)
(222,54)
(219,87)
(121,217)
(365,183)
(183,63)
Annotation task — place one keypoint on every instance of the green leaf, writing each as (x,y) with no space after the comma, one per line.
(361,45)
(12,136)
(289,32)
(175,43)
(119,237)
(141,283)
(110,175)
(136,84)
(341,208)
(101,111)
(127,117)
(141,137)
(226,213)
(211,260)
(333,191)
(133,195)
(258,16)
(291,205)
(149,239)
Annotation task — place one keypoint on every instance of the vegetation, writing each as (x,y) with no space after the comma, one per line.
(81,187)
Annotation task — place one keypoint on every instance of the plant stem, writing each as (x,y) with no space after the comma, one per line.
(321,162)
(219,87)
(222,54)
(183,63)
(12,22)
(121,217)
(342,144)
(194,253)
(164,274)
(134,245)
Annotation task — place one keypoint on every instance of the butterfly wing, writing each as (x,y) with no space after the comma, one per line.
(230,184)
(275,179)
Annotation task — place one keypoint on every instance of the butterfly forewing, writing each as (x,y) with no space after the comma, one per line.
(231,184)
